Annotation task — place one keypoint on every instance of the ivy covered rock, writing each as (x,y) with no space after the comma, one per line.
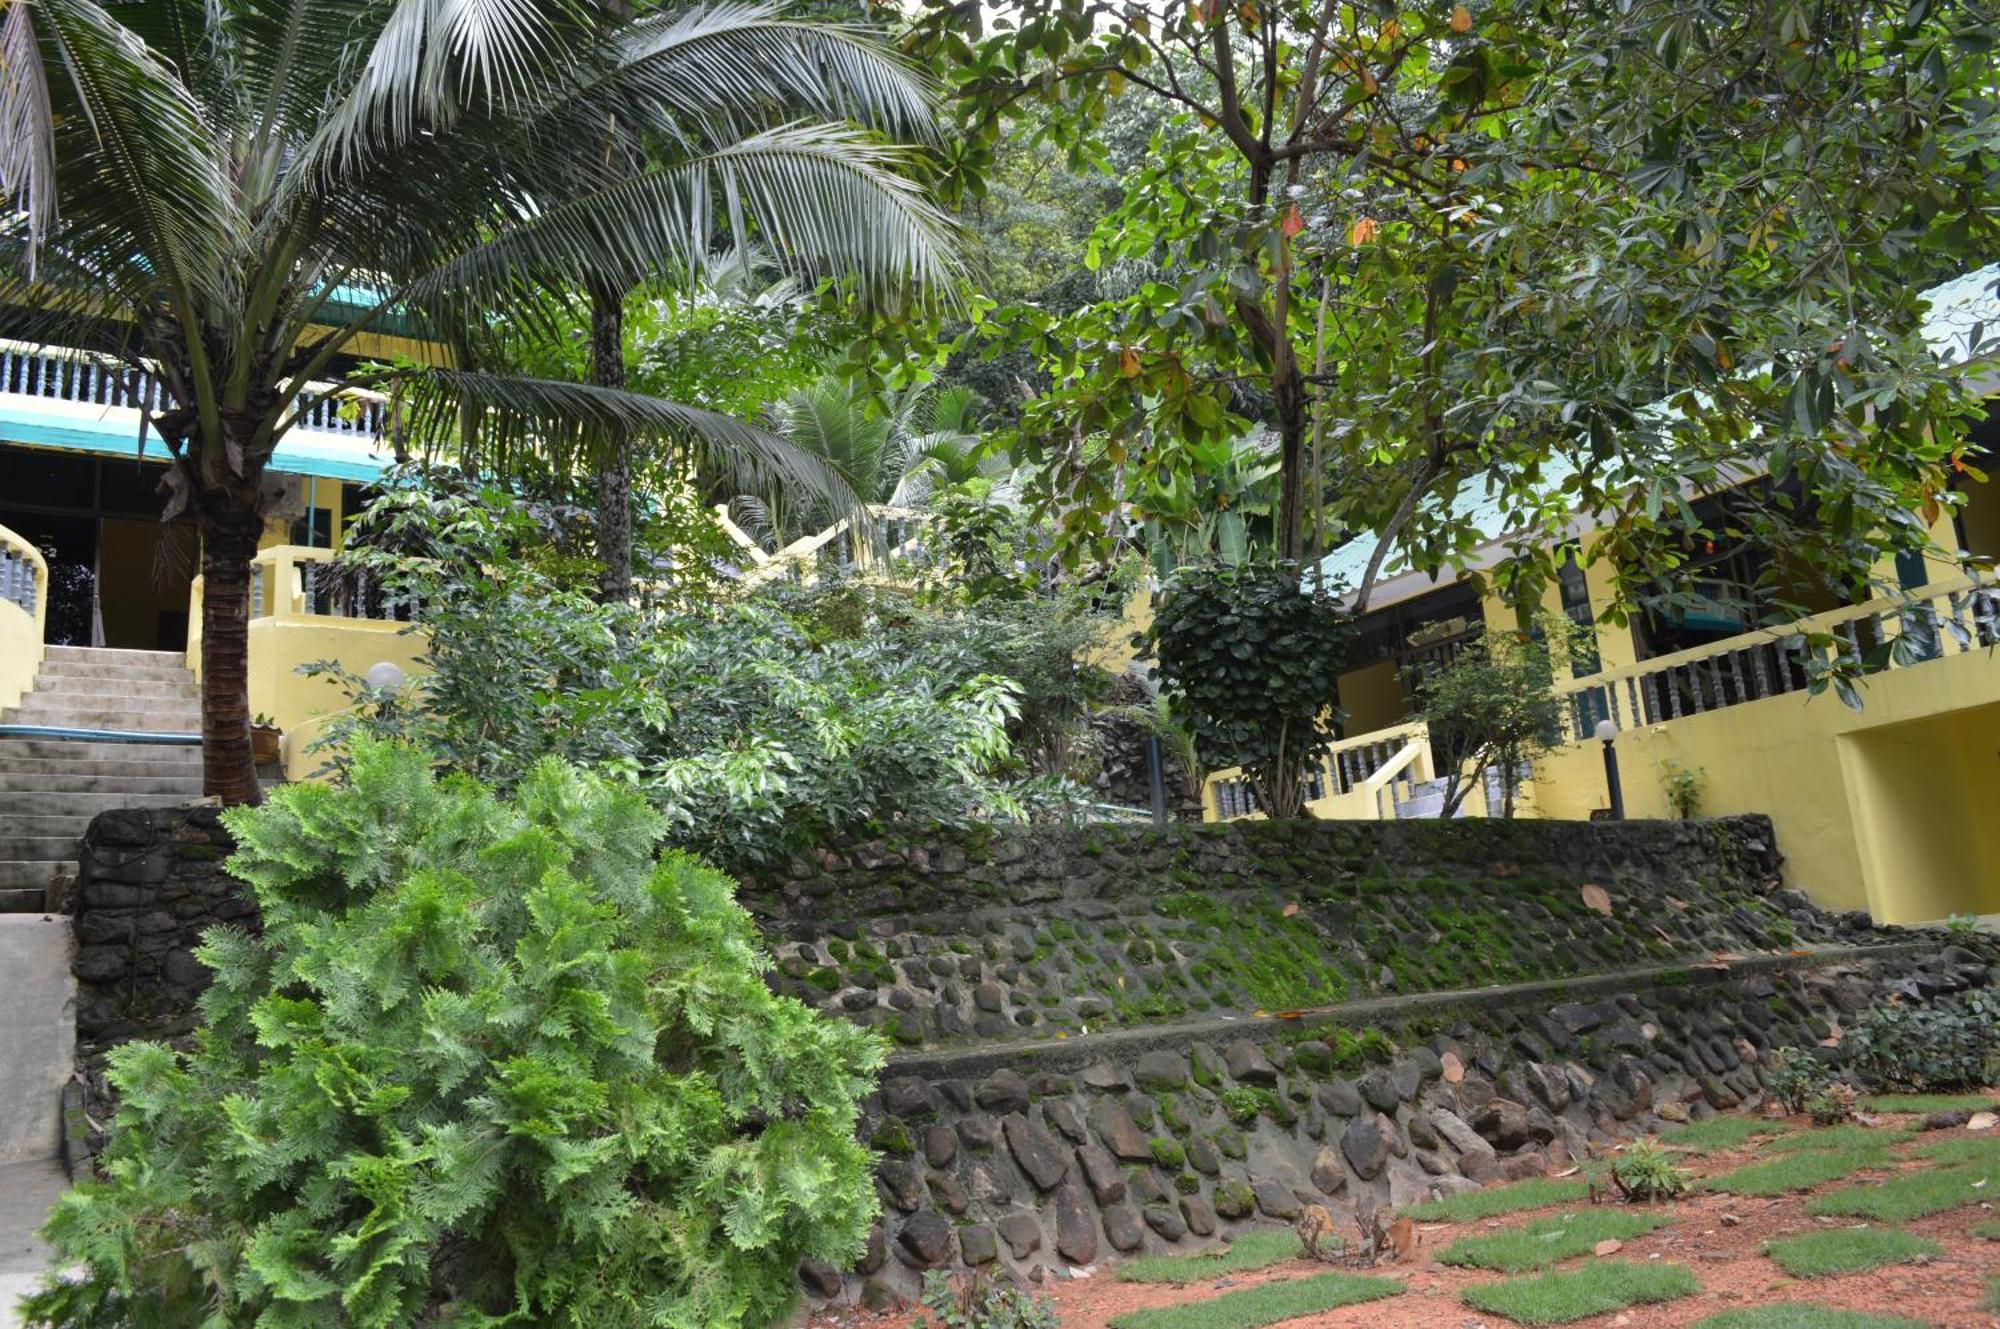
(490,1062)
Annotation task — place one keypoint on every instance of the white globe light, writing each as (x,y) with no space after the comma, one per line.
(383,676)
(1607,730)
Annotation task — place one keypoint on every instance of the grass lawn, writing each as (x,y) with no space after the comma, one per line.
(1794,1316)
(1847,1251)
(1837,1139)
(1537,1193)
(1719,1133)
(1548,1241)
(1991,1301)
(1926,1103)
(1961,1149)
(1989,1231)
(1798,1171)
(1592,1288)
(1267,1303)
(1251,1250)
(1912,1195)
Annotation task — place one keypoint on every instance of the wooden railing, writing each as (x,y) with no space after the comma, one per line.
(1948,617)
(62,373)
(882,536)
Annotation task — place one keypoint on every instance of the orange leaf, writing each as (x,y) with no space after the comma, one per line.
(1403,1238)
(1293,223)
(1596,897)
(1128,362)
(1362,231)
(1461,19)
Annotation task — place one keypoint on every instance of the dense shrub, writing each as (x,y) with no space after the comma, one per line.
(761,726)
(1925,1048)
(489,1063)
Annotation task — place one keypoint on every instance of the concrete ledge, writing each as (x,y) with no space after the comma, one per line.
(37,1034)
(1068,1055)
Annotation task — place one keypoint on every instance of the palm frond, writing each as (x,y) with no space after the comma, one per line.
(27,127)
(486,417)
(826,201)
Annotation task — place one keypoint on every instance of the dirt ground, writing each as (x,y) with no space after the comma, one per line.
(1719,1237)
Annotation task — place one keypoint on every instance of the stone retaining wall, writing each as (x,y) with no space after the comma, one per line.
(150,883)
(1113,1146)
(1049,932)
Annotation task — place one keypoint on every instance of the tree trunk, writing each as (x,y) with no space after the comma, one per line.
(1290,389)
(230,528)
(614,467)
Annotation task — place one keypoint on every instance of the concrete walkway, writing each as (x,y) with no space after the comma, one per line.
(27,1190)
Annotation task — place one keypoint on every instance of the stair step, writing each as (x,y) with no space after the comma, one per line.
(111,655)
(62,676)
(17,875)
(38,848)
(32,900)
(26,773)
(62,687)
(169,719)
(17,749)
(61,781)
(60,805)
(72,824)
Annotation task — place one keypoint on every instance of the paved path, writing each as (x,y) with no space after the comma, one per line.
(26,1192)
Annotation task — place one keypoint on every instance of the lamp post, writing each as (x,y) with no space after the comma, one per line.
(1607,730)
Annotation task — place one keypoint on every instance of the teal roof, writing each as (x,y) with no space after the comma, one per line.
(1963,325)
(300,452)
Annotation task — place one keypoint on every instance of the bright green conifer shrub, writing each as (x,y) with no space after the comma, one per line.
(489,1062)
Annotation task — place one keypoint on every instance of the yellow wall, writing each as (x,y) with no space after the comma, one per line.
(1787,756)
(300,705)
(1373,698)
(21,632)
(1923,795)
(132,593)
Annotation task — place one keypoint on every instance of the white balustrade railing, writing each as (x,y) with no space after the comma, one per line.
(23,575)
(1894,632)
(89,378)
(885,536)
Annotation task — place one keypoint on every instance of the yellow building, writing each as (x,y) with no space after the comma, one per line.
(1893,808)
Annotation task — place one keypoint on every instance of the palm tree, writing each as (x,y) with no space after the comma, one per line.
(193,180)
(920,441)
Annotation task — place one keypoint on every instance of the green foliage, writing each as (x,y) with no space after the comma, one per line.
(1986,1231)
(1795,1075)
(1833,1139)
(1831,1104)
(759,726)
(1535,1193)
(1646,1172)
(1548,1241)
(1267,1303)
(1494,705)
(1244,1253)
(977,1301)
(1388,236)
(1593,1288)
(489,1062)
(1167,1152)
(1721,1132)
(1682,786)
(1251,659)
(1242,1102)
(1932,1046)
(1847,1251)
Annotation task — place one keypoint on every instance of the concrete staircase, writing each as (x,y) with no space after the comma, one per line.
(51,787)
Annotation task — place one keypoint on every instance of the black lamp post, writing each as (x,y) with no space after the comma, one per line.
(1607,730)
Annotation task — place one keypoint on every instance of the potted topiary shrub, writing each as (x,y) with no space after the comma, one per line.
(267,741)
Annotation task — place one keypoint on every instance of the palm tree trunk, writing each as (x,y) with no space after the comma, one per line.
(230,528)
(614,468)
